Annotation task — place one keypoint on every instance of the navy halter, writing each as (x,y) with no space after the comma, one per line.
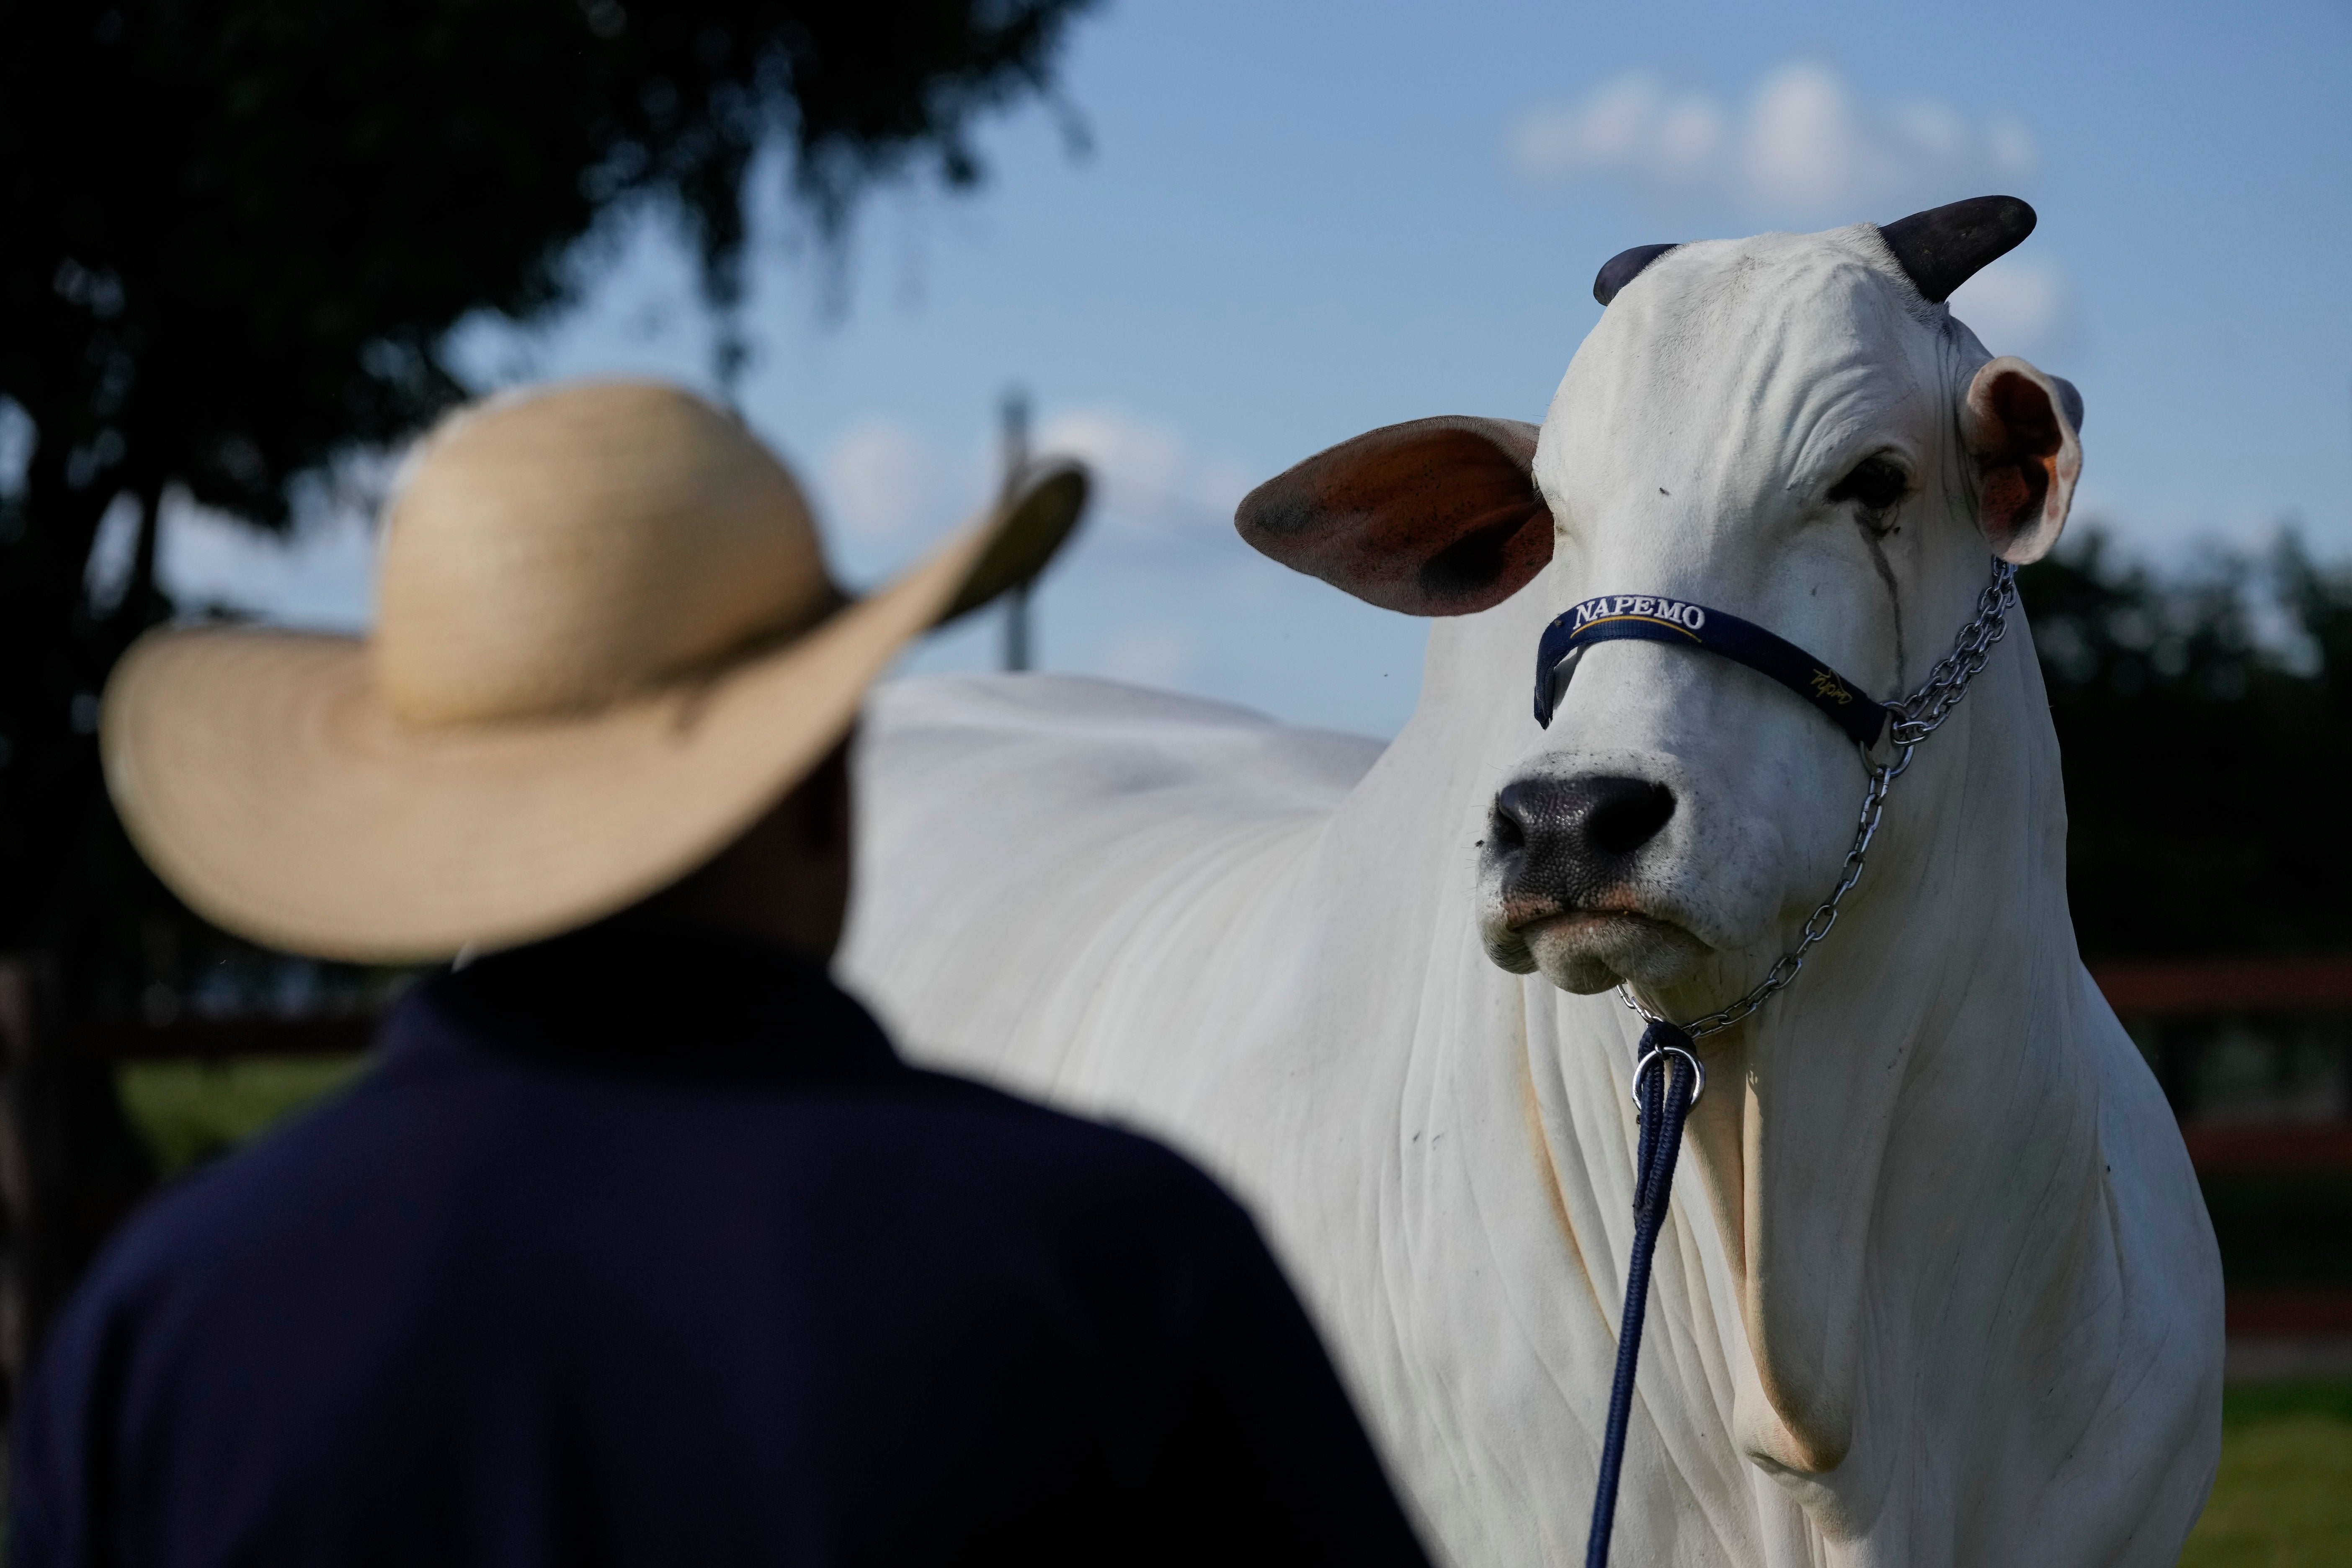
(1650,617)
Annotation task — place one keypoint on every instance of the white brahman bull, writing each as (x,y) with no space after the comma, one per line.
(1937,1286)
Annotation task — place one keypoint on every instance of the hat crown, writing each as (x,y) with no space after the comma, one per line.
(559,551)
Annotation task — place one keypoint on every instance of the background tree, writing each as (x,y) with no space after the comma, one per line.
(234,234)
(2205,719)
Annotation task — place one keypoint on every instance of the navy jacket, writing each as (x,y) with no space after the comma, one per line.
(650,1250)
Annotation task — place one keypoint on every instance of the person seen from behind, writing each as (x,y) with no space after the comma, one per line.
(637,1242)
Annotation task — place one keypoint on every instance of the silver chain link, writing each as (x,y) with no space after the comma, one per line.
(1919,715)
(1911,720)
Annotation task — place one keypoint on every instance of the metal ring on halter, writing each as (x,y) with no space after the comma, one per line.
(1643,1066)
(1898,759)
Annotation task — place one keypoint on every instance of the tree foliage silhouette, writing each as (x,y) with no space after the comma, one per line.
(2205,724)
(238,232)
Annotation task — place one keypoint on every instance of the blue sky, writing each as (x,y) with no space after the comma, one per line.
(1300,221)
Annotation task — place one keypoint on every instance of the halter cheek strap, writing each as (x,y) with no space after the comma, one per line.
(1645,617)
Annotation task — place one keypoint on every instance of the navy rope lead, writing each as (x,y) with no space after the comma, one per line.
(1669,1071)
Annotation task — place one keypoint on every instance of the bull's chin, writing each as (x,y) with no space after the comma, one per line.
(1589,950)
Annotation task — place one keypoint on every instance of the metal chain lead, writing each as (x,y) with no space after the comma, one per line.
(1911,720)
(1918,716)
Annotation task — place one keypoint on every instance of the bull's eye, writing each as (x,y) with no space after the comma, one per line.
(1875,482)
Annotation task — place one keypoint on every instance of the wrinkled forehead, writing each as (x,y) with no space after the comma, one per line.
(1778,341)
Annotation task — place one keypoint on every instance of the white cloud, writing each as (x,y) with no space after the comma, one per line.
(1801,149)
(885,480)
(1149,475)
(882,488)
(2019,305)
(320,576)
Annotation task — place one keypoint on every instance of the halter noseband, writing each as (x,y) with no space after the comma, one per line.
(1652,617)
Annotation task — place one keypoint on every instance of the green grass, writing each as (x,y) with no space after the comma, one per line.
(2283,1496)
(193,1112)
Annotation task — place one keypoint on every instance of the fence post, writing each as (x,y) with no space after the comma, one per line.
(1014,416)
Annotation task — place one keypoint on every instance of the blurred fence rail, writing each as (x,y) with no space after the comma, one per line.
(2244,1041)
(2255,1056)
(2210,987)
(71,1165)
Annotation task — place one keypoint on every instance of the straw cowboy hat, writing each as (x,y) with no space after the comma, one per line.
(606,643)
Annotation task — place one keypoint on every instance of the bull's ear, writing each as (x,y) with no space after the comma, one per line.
(1438,516)
(2020,426)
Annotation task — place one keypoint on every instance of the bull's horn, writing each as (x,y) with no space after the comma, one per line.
(1623,268)
(1943,247)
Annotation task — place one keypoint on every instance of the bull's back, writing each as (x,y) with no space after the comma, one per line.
(1052,870)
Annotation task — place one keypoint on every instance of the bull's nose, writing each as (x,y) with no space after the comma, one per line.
(1574,839)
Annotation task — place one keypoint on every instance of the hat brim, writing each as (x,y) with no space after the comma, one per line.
(263,778)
